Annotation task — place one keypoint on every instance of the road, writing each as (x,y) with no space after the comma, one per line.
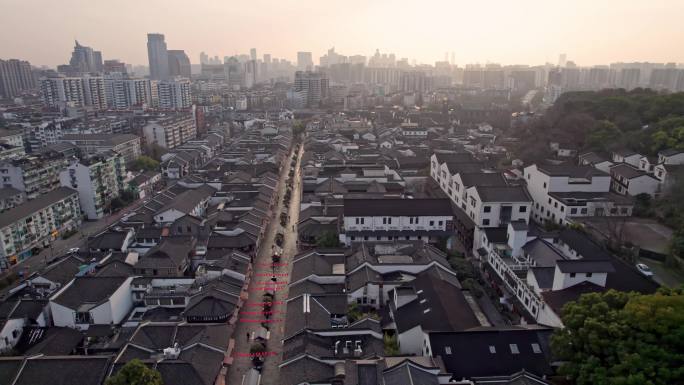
(263,265)
(61,246)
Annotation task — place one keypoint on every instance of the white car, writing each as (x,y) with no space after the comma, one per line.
(73,250)
(644,269)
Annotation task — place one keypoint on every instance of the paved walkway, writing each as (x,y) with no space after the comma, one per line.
(262,264)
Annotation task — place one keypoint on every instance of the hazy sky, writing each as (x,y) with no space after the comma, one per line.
(504,31)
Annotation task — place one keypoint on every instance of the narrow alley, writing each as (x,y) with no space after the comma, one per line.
(249,324)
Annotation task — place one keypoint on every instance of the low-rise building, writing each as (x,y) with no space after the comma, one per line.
(393,219)
(539,272)
(170,131)
(629,180)
(87,301)
(561,192)
(98,180)
(37,222)
(128,145)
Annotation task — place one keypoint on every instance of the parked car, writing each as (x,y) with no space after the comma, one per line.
(644,269)
(74,250)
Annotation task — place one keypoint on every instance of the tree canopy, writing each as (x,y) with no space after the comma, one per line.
(135,373)
(145,163)
(642,120)
(618,338)
(328,239)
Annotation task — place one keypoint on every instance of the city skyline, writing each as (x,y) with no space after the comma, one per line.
(506,33)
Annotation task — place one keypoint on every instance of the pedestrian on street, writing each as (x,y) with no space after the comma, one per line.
(247,336)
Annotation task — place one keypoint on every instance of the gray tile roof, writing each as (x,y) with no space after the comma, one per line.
(397,207)
(88,291)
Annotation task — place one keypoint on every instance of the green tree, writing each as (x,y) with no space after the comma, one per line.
(327,239)
(135,373)
(298,128)
(618,338)
(604,136)
(391,345)
(145,163)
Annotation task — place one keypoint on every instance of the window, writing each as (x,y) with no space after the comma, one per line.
(378,238)
(623,210)
(384,220)
(485,222)
(572,275)
(562,208)
(492,349)
(555,204)
(488,209)
(584,210)
(523,209)
(440,223)
(447,350)
(353,238)
(589,275)
(536,348)
(549,200)
(432,223)
(180,229)
(573,210)
(365,237)
(514,349)
(544,184)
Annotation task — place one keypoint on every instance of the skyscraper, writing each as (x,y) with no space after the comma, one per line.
(253,54)
(179,63)
(84,59)
(15,76)
(311,87)
(304,61)
(158,56)
(97,61)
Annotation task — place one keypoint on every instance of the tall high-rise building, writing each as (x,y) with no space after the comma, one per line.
(123,92)
(250,73)
(97,61)
(562,60)
(253,54)
(174,94)
(84,59)
(311,87)
(15,76)
(114,65)
(179,63)
(304,61)
(158,56)
(61,92)
(204,58)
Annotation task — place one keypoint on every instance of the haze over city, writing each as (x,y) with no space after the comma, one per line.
(507,32)
(341,192)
